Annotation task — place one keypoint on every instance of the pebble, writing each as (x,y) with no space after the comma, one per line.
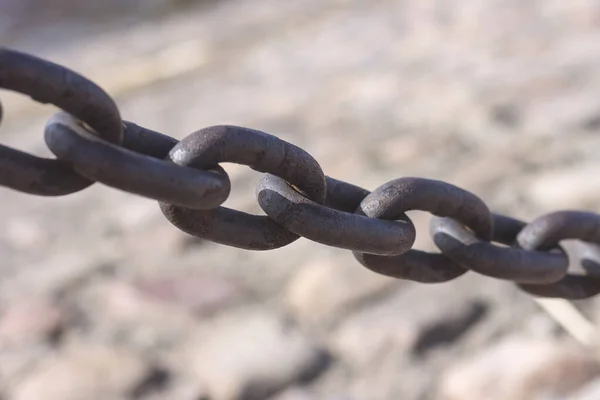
(202,294)
(30,320)
(569,188)
(25,234)
(120,310)
(252,355)
(384,332)
(324,289)
(180,391)
(520,368)
(407,323)
(295,393)
(591,391)
(84,371)
(300,393)
(58,273)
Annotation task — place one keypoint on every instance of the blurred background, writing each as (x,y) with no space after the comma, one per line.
(101,298)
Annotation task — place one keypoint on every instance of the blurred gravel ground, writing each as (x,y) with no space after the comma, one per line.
(100,297)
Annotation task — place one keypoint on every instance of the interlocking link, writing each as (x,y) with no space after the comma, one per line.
(510,263)
(556,255)
(344,196)
(438,198)
(118,167)
(415,265)
(325,225)
(261,152)
(46,82)
(549,232)
(145,141)
(582,280)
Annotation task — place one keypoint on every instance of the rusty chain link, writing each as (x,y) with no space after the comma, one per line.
(556,255)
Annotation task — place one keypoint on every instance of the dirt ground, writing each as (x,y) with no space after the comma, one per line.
(101,298)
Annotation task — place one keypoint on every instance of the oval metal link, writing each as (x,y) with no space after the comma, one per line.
(506,229)
(133,172)
(260,151)
(414,265)
(146,141)
(46,82)
(438,198)
(546,232)
(332,227)
(510,263)
(344,196)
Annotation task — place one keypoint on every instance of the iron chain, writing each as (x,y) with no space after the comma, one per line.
(556,255)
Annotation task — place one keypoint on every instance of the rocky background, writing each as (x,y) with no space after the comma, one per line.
(101,298)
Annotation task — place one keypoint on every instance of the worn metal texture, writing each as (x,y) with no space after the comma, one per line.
(127,170)
(46,82)
(436,197)
(261,152)
(556,255)
(511,263)
(582,280)
(332,227)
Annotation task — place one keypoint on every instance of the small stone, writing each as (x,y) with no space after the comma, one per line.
(520,368)
(200,293)
(324,290)
(25,234)
(188,390)
(134,214)
(18,360)
(119,309)
(401,149)
(361,340)
(447,329)
(392,327)
(300,393)
(90,372)
(30,320)
(506,115)
(295,393)
(569,188)
(251,356)
(166,240)
(591,391)
(56,273)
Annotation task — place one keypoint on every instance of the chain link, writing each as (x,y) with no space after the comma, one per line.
(556,255)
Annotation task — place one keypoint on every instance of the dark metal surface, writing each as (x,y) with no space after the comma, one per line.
(546,232)
(510,263)
(132,172)
(583,278)
(260,151)
(329,226)
(435,197)
(551,231)
(46,82)
(556,255)
(344,196)
(415,265)
(145,141)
